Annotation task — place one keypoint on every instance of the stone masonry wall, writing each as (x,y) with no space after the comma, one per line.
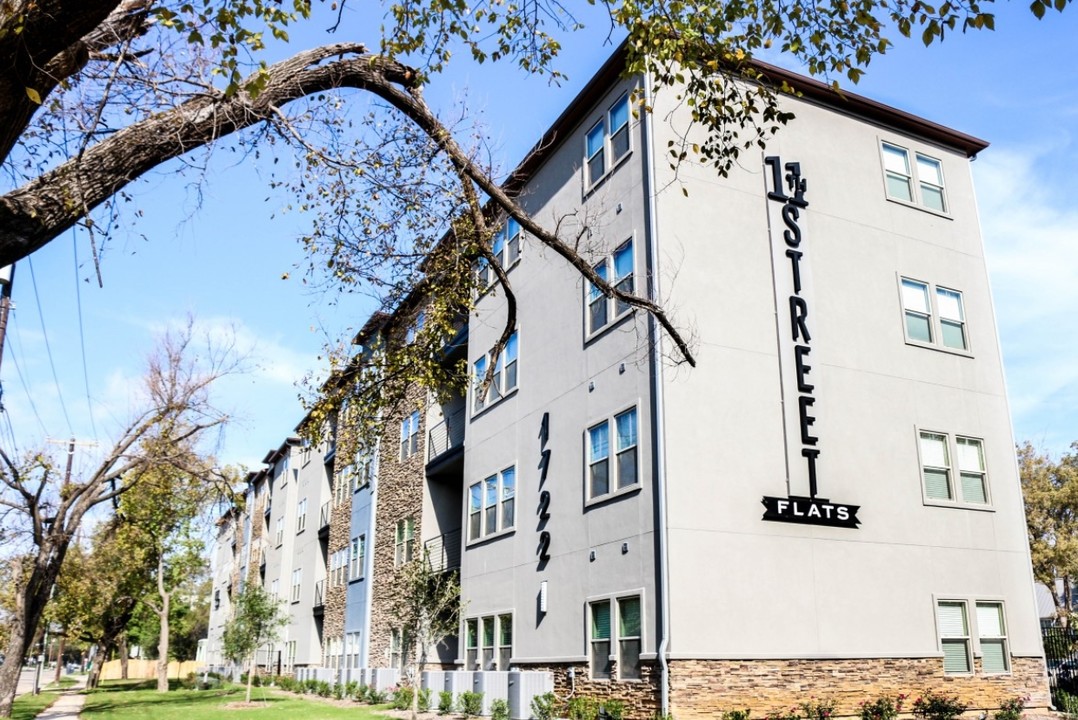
(641,697)
(340,528)
(400,495)
(705,688)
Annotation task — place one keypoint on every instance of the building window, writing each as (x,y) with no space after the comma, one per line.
(290,653)
(629,638)
(607,138)
(301,515)
(410,435)
(297,579)
(954,637)
(362,471)
(275,589)
(919,182)
(398,649)
(938,473)
(339,568)
(216,599)
(505,247)
(600,640)
(405,539)
(619,271)
(416,327)
(492,504)
(279,534)
(934,315)
(488,642)
(358,551)
(992,636)
(503,380)
(602,478)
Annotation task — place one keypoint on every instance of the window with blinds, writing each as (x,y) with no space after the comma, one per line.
(992,635)
(629,638)
(954,637)
(600,640)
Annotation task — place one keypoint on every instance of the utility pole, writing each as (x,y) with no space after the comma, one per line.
(7,277)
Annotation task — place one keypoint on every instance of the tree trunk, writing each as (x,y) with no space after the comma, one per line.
(60,658)
(250,675)
(162,644)
(122,646)
(15,653)
(30,601)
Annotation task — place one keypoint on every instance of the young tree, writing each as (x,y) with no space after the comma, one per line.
(43,508)
(256,619)
(426,610)
(1050,490)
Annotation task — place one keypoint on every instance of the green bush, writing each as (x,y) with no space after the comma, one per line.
(736,714)
(360,695)
(937,706)
(1011,708)
(402,698)
(471,704)
(791,714)
(499,710)
(615,709)
(310,686)
(1065,702)
(583,708)
(818,709)
(424,699)
(884,707)
(376,697)
(350,688)
(545,706)
(322,688)
(445,702)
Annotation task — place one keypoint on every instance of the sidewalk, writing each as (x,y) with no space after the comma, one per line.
(70,703)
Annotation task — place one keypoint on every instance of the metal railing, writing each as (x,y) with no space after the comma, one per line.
(1061,653)
(320,593)
(323,516)
(444,551)
(446,435)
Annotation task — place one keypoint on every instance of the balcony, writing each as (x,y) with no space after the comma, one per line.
(445,445)
(444,551)
(319,606)
(323,520)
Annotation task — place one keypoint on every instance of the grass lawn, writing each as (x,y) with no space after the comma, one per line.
(138,699)
(66,681)
(28,706)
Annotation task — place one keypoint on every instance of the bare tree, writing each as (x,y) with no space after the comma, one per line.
(44,508)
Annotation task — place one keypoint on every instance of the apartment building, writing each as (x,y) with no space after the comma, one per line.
(827,505)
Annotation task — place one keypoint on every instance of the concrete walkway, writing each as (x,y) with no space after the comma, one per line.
(70,703)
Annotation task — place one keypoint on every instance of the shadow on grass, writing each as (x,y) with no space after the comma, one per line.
(148,698)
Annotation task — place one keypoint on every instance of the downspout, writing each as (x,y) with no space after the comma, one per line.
(368,559)
(657,407)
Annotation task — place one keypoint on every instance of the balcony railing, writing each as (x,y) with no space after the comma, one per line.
(323,516)
(444,551)
(319,593)
(446,435)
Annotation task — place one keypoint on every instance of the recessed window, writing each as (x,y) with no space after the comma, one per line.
(599,657)
(301,515)
(938,468)
(992,637)
(607,141)
(954,637)
(297,580)
(492,504)
(504,378)
(934,315)
(279,536)
(488,642)
(356,555)
(405,541)
(410,435)
(505,247)
(629,638)
(619,271)
(913,178)
(609,472)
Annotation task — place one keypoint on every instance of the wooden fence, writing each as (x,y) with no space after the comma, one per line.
(146,669)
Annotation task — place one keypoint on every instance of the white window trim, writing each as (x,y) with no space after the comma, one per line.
(609,165)
(399,558)
(481,619)
(613,317)
(301,516)
(934,319)
(409,442)
(974,631)
(356,562)
(612,459)
(614,631)
(485,534)
(915,182)
(954,472)
(504,392)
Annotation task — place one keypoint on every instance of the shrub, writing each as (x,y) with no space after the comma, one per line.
(322,688)
(736,714)
(1065,702)
(402,698)
(445,702)
(1011,709)
(310,686)
(350,688)
(615,709)
(360,694)
(884,707)
(471,704)
(190,682)
(791,714)
(937,706)
(424,699)
(499,710)
(583,708)
(545,706)
(376,697)
(818,709)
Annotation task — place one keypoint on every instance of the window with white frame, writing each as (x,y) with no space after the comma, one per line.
(934,315)
(612,469)
(607,141)
(504,378)
(362,470)
(488,642)
(492,504)
(599,647)
(405,540)
(625,645)
(340,567)
(398,647)
(954,637)
(301,515)
(275,588)
(279,534)
(505,247)
(629,638)
(297,580)
(290,653)
(992,637)
(410,435)
(619,270)
(356,557)
(914,178)
(938,471)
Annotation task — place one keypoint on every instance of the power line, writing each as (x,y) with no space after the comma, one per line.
(22,381)
(48,349)
(82,336)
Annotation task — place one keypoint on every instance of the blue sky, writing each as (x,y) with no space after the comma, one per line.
(214,252)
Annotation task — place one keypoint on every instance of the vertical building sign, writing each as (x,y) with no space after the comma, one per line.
(543,510)
(793,294)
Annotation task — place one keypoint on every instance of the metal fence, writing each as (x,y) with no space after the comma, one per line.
(1061,653)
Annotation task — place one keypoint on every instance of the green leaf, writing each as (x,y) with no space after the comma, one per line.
(1038,8)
